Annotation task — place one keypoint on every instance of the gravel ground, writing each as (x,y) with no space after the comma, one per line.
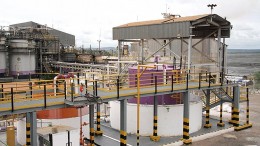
(245,137)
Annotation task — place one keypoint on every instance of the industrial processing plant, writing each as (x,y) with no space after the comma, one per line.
(155,88)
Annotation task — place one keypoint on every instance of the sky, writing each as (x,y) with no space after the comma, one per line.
(92,20)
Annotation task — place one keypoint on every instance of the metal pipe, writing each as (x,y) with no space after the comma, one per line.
(12,99)
(117,85)
(187,81)
(155,90)
(172,83)
(31,92)
(247,106)
(72,92)
(86,84)
(199,80)
(189,49)
(138,106)
(142,52)
(45,96)
(209,78)
(2,90)
(65,90)
(69,138)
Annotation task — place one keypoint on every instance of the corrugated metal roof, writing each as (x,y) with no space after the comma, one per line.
(167,20)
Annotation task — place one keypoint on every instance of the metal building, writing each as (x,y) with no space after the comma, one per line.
(179,37)
(66,39)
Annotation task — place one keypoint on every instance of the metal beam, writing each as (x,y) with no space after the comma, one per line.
(168,48)
(213,23)
(186,114)
(158,50)
(91,124)
(236,96)
(194,45)
(123,122)
(189,52)
(98,131)
(198,22)
(33,121)
(207,124)
(200,52)
(119,57)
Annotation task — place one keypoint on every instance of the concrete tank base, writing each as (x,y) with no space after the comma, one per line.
(170,118)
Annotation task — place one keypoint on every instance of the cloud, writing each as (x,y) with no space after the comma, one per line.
(85,18)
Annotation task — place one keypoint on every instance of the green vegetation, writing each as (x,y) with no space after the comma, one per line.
(257,80)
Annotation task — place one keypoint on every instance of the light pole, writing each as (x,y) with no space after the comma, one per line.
(99,44)
(211,8)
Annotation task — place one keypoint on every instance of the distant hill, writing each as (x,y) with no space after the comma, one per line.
(108,48)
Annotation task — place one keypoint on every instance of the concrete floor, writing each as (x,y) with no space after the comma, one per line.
(111,136)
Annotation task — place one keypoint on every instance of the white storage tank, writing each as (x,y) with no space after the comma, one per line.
(22,43)
(2,62)
(170,118)
(22,62)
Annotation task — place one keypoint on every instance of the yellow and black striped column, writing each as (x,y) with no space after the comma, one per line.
(155,136)
(232,114)
(28,132)
(186,114)
(221,123)
(207,124)
(98,131)
(91,124)
(123,119)
(31,129)
(236,97)
(123,136)
(247,107)
(247,124)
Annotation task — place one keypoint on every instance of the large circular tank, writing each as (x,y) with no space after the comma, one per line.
(64,116)
(170,106)
(170,118)
(22,61)
(21,43)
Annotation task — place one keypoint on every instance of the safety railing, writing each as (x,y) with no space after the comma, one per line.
(71,88)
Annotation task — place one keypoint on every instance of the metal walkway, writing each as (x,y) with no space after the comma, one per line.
(20,101)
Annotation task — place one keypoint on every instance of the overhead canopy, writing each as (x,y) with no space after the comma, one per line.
(174,27)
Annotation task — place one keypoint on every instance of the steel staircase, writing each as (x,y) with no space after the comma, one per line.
(47,67)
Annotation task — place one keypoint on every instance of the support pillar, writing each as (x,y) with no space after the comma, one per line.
(247,124)
(119,57)
(221,123)
(236,96)
(155,136)
(98,131)
(31,129)
(123,119)
(142,52)
(207,124)
(219,54)
(189,49)
(91,124)
(186,113)
(2,91)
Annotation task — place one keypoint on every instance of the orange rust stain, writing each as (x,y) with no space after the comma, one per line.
(61,113)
